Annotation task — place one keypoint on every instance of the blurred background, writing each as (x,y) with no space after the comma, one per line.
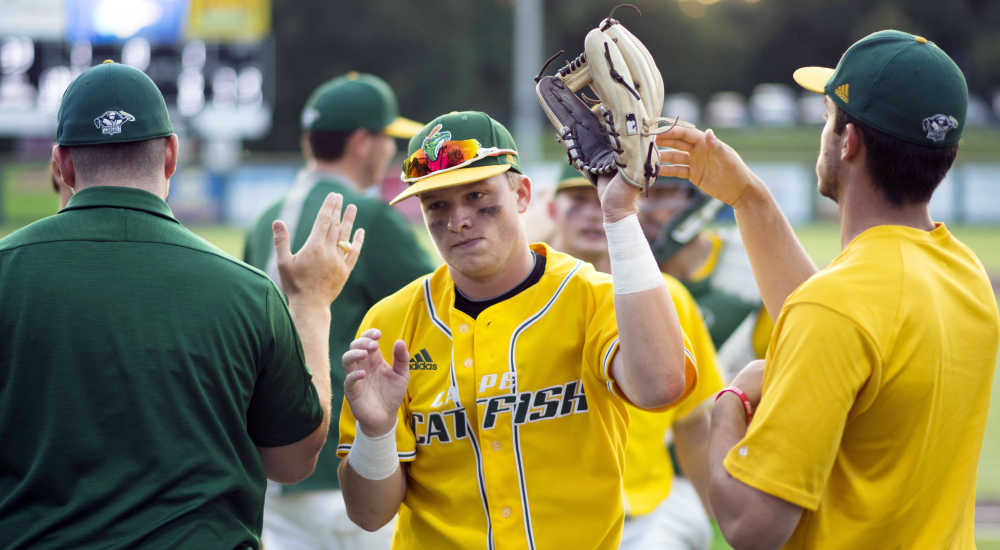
(235,74)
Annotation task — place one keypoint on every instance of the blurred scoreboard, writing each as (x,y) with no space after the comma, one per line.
(212,59)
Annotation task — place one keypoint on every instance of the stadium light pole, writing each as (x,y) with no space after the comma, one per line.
(528,46)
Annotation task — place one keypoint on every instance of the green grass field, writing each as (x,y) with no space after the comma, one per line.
(822,241)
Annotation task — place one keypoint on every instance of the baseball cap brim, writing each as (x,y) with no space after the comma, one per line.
(813,79)
(451,179)
(403,128)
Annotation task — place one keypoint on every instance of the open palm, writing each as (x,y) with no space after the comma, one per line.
(710,164)
(373,388)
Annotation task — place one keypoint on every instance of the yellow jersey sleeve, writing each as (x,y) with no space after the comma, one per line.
(814,369)
(601,332)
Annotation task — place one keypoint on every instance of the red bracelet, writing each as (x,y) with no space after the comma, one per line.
(747,407)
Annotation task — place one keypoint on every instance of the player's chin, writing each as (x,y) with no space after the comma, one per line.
(472,262)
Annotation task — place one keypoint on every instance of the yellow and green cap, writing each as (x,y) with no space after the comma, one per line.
(570,178)
(898,83)
(458,126)
(111,103)
(356,100)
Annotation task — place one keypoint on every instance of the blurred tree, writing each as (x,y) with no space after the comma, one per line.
(456,54)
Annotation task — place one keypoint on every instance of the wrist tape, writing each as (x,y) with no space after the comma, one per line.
(374,458)
(633,268)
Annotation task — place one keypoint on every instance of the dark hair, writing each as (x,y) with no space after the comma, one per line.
(328,145)
(906,173)
(118,160)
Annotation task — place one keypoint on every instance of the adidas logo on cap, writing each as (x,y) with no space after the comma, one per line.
(843,92)
(422,361)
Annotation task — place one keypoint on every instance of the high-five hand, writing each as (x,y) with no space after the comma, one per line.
(319,270)
(373,388)
(618,198)
(707,161)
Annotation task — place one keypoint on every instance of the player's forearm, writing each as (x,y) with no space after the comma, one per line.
(780,263)
(651,348)
(691,435)
(748,518)
(312,321)
(371,503)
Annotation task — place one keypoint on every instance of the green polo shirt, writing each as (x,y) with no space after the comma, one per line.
(391,258)
(140,367)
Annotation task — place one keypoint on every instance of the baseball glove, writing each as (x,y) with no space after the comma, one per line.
(617,133)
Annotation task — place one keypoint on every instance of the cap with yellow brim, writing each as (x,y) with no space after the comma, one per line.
(897,83)
(813,79)
(458,126)
(403,128)
(356,100)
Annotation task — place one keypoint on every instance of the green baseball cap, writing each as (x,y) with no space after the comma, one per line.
(455,127)
(353,101)
(111,103)
(570,178)
(898,83)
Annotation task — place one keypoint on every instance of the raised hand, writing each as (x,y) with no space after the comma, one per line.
(618,198)
(707,161)
(319,270)
(373,388)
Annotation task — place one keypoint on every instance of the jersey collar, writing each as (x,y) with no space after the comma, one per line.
(110,196)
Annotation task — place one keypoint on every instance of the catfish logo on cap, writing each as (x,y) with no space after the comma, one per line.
(110,123)
(938,126)
(433,142)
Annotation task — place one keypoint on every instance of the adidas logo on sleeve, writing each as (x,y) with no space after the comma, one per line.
(422,361)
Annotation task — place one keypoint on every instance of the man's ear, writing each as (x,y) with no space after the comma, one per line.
(170,158)
(852,142)
(523,192)
(62,166)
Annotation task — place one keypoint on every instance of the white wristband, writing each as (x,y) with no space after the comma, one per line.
(633,267)
(374,458)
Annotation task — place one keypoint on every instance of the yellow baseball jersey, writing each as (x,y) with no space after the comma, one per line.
(649,471)
(512,429)
(875,395)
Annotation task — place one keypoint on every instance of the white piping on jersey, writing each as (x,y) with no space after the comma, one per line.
(606,363)
(516,430)
(608,355)
(458,403)
(430,309)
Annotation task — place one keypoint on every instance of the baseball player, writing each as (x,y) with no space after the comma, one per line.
(653,519)
(486,402)
(846,436)
(577,221)
(150,381)
(348,128)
